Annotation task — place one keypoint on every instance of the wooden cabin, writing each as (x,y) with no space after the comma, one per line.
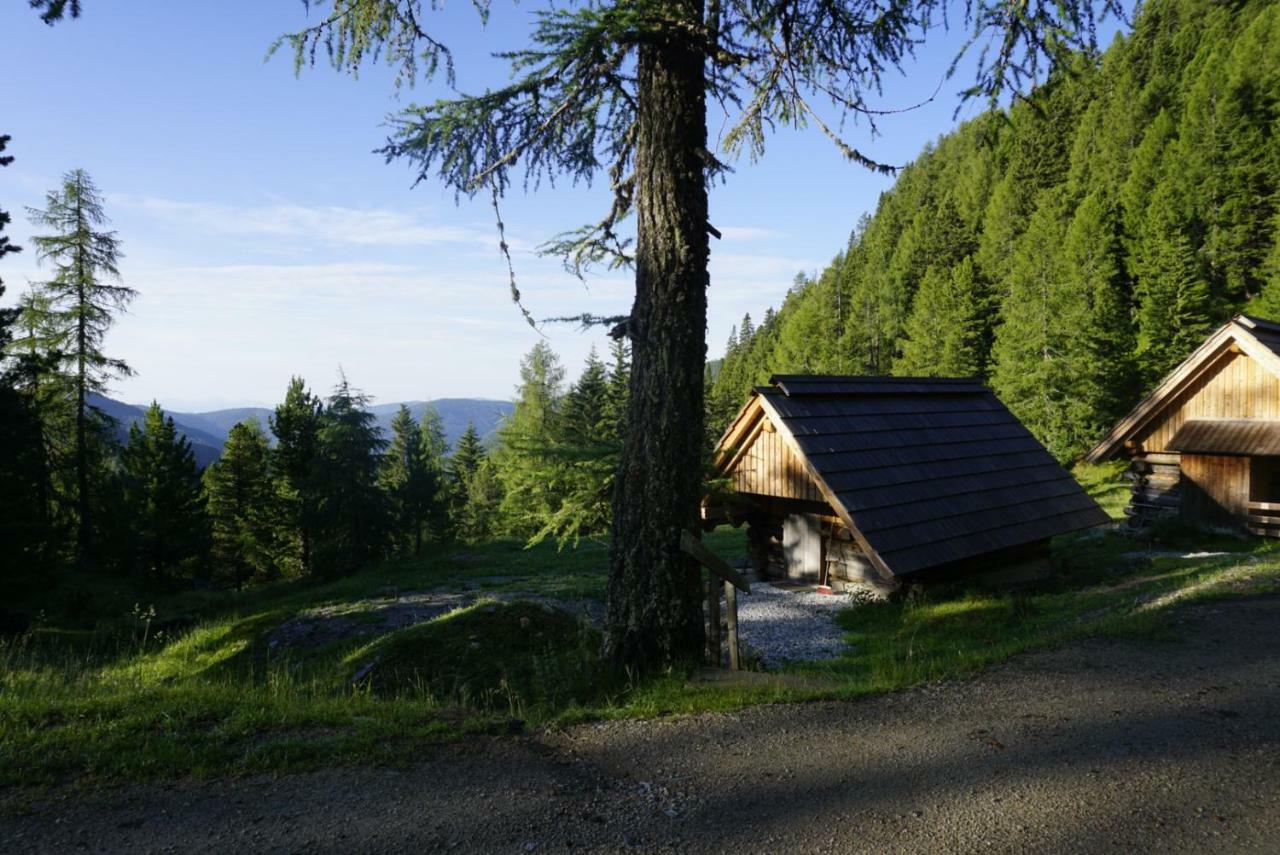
(849,481)
(1204,446)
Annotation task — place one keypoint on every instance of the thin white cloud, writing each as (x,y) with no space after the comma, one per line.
(326,224)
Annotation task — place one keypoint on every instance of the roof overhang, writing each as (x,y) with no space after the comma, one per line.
(1249,437)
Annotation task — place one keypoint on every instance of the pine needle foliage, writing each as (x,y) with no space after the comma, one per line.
(83,296)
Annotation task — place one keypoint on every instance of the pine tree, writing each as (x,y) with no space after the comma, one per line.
(242,504)
(1100,349)
(163,498)
(466,458)
(531,489)
(585,405)
(1174,304)
(1032,373)
(295,465)
(578,455)
(478,517)
(353,522)
(25,527)
(947,325)
(85,297)
(407,482)
(434,452)
(619,390)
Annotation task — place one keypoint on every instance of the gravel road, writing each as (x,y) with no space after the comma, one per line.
(1103,747)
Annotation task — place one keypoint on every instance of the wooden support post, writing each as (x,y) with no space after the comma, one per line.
(713,620)
(731,618)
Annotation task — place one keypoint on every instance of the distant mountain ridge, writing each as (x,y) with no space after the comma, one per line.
(208,431)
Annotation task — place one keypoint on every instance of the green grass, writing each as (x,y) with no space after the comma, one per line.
(109,696)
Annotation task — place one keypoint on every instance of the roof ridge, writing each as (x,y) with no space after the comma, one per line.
(1254,322)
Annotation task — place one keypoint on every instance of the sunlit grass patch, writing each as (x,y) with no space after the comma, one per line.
(219,693)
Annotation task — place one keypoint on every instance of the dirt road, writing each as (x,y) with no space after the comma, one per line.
(1107,746)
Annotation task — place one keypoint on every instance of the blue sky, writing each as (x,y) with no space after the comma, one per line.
(267,240)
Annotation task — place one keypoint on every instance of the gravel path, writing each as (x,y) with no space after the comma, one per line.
(1101,747)
(781,625)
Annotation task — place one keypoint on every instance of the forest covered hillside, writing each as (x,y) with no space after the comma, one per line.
(1069,250)
(208,431)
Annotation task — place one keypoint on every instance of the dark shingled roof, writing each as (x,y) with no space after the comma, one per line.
(1227,436)
(929,470)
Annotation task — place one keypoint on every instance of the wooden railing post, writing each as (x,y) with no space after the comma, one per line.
(731,618)
(713,620)
(733,582)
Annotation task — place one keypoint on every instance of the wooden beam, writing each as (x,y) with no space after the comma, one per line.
(713,619)
(698,551)
(731,621)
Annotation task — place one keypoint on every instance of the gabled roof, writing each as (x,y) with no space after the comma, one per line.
(1258,338)
(923,471)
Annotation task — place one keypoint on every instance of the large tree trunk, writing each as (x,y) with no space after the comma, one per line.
(654,608)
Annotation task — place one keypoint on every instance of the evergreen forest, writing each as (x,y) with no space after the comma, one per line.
(1069,250)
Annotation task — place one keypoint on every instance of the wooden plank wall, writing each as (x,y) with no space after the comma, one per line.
(770,468)
(1215,489)
(1236,388)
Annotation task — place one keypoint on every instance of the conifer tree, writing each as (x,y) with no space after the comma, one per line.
(1174,303)
(466,458)
(408,482)
(585,405)
(530,487)
(25,530)
(434,452)
(295,465)
(353,523)
(478,517)
(85,295)
(1101,345)
(166,509)
(946,327)
(1032,374)
(619,390)
(579,455)
(622,88)
(242,504)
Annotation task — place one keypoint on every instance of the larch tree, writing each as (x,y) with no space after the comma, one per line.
(621,89)
(85,294)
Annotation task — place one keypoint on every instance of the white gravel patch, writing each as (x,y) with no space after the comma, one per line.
(788,626)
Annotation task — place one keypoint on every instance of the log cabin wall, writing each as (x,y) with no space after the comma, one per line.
(1215,489)
(1155,489)
(769,467)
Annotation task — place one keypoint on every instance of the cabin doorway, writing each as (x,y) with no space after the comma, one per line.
(1264,496)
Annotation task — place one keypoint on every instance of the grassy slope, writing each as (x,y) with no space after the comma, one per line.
(216,698)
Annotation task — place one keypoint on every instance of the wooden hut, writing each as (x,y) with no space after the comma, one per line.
(855,480)
(1204,446)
